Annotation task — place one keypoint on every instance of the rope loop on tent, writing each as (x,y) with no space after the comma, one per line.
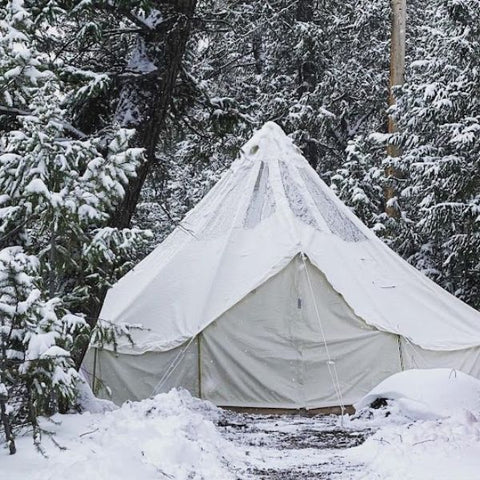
(332,368)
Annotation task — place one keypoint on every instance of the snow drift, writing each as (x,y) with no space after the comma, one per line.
(170,436)
(427,394)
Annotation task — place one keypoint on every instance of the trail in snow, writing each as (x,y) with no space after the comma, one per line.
(290,447)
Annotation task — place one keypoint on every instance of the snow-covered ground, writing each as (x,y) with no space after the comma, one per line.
(169,436)
(429,429)
(174,436)
(447,449)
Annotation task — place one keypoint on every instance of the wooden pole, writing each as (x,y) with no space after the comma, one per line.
(397,77)
(94,370)
(397,52)
(199,360)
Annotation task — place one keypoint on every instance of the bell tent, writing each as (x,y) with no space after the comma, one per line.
(272,294)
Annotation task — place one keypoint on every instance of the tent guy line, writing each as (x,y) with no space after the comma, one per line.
(332,369)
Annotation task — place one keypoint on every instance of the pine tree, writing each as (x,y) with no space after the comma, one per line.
(36,337)
(59,190)
(438,116)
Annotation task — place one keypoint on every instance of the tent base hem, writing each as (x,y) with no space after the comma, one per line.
(303,412)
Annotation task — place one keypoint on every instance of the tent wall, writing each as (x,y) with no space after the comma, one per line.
(466,360)
(134,377)
(249,355)
(352,345)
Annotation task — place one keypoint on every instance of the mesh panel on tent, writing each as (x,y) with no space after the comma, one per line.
(262,204)
(296,198)
(337,221)
(223,217)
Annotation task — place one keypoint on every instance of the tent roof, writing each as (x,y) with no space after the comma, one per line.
(268,207)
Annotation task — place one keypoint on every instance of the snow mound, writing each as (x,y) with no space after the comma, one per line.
(88,402)
(427,394)
(445,449)
(169,436)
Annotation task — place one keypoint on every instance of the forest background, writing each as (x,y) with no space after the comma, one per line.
(117,116)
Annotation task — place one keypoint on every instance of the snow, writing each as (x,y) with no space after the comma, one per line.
(428,394)
(139,61)
(87,402)
(54,352)
(37,186)
(379,137)
(424,450)
(154,18)
(88,212)
(443,440)
(176,436)
(39,344)
(169,436)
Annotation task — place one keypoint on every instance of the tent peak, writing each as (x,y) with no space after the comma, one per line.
(272,128)
(269,141)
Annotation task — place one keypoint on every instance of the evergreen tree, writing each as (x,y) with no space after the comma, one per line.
(59,190)
(438,117)
(37,373)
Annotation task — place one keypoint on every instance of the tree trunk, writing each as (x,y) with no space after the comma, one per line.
(397,77)
(307,68)
(258,51)
(4,417)
(147,90)
(5,422)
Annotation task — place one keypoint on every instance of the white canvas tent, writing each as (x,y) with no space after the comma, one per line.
(272,294)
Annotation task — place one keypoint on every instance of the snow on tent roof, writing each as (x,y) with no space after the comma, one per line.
(268,207)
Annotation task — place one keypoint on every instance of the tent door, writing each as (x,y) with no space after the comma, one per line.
(251,356)
(268,350)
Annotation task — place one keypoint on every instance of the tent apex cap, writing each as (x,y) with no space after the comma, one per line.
(273,128)
(270,141)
